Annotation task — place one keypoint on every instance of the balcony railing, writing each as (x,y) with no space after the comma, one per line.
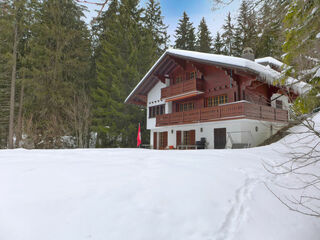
(190,86)
(242,109)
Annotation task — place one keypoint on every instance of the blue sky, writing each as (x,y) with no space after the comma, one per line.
(172,11)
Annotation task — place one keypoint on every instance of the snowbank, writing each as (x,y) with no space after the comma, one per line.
(136,194)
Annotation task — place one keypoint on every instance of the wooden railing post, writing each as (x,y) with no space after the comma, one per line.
(260,112)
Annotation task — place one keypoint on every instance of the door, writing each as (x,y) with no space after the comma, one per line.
(220,138)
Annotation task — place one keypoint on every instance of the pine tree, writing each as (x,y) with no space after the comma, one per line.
(60,58)
(302,49)
(228,35)
(153,21)
(14,32)
(119,68)
(185,36)
(218,45)
(6,38)
(246,30)
(204,40)
(270,37)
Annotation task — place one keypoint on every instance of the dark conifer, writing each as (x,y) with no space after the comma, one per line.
(204,39)
(228,35)
(185,36)
(153,21)
(218,46)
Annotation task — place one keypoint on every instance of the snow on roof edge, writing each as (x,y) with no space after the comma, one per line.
(269,60)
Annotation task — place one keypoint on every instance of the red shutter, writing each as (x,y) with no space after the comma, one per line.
(178,138)
(155,140)
(192,137)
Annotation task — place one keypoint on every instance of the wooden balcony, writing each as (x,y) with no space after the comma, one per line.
(182,90)
(237,110)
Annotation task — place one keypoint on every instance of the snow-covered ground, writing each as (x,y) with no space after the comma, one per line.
(141,194)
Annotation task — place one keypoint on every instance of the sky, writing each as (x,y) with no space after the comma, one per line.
(172,11)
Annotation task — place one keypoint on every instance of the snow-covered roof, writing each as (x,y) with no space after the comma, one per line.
(269,60)
(263,72)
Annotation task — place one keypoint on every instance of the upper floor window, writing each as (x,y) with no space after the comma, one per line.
(191,75)
(156,110)
(178,79)
(215,100)
(279,104)
(183,107)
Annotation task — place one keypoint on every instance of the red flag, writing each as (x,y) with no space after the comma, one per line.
(139,137)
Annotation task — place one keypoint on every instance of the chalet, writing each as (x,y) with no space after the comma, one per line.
(201,100)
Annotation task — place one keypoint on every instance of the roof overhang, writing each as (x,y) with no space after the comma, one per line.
(167,63)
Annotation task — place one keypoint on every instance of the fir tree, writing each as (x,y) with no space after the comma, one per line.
(59,58)
(14,33)
(204,40)
(119,68)
(153,21)
(270,37)
(218,45)
(246,30)
(228,35)
(302,49)
(185,36)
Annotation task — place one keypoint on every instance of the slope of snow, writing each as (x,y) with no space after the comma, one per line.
(137,194)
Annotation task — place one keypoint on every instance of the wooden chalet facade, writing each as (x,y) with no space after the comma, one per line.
(195,99)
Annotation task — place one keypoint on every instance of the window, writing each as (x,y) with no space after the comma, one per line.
(279,104)
(193,75)
(223,99)
(156,110)
(183,107)
(178,79)
(215,100)
(186,138)
(163,140)
(189,137)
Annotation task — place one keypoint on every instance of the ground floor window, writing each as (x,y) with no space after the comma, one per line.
(189,137)
(163,140)
(186,138)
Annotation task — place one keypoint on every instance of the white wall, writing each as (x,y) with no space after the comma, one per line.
(283,98)
(153,99)
(240,130)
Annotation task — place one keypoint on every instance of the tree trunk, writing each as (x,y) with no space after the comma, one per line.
(19,127)
(13,86)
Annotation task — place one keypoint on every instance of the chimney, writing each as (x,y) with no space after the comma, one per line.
(247,53)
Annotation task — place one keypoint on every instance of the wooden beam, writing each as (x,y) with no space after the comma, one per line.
(143,98)
(180,62)
(160,77)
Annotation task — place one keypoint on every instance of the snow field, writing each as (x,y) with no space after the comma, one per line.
(136,194)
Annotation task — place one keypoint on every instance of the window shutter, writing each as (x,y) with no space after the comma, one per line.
(178,138)
(192,137)
(155,140)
